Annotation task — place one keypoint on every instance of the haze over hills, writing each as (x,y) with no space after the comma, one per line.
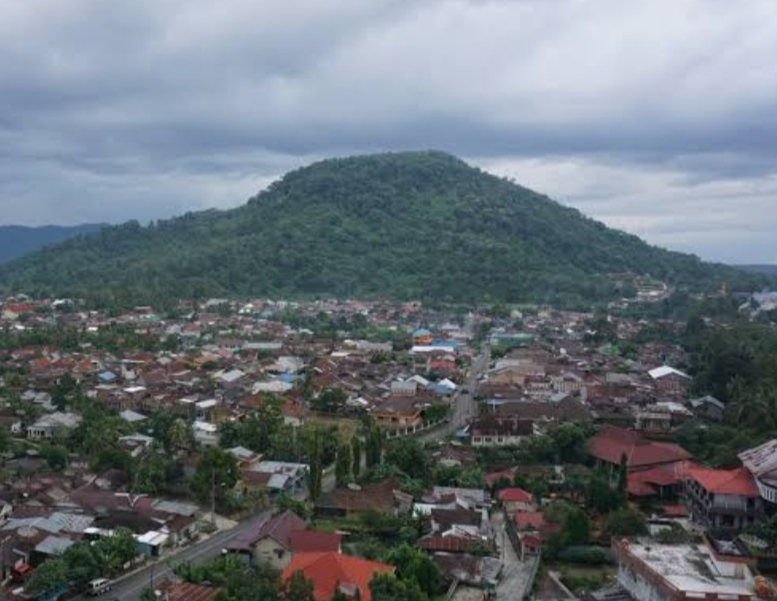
(402,225)
(765,269)
(19,240)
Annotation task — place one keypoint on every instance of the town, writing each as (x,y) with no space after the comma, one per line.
(384,450)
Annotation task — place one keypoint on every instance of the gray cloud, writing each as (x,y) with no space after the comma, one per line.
(657,116)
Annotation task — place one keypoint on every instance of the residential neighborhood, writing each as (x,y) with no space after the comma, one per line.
(370,449)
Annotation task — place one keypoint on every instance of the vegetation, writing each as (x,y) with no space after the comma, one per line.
(404,225)
(83,562)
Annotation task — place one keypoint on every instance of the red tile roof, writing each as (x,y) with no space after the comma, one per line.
(674,511)
(191,592)
(330,570)
(611,443)
(530,520)
(450,544)
(495,477)
(645,483)
(514,494)
(738,481)
(640,489)
(305,541)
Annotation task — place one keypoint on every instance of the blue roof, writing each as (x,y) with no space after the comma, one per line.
(444,343)
(422,332)
(107,375)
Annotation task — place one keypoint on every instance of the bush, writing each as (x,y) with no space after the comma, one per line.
(592,556)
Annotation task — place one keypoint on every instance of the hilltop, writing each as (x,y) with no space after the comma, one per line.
(19,240)
(402,225)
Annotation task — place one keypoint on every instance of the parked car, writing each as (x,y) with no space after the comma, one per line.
(98,586)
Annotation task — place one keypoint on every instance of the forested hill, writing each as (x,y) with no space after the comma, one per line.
(763,269)
(19,240)
(403,225)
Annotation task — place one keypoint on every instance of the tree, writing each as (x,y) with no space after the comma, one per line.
(343,465)
(114,458)
(298,588)
(374,446)
(116,550)
(287,503)
(56,456)
(577,527)
(625,522)
(180,435)
(52,575)
(600,495)
(153,473)
(408,456)
(356,454)
(216,474)
(569,440)
(416,567)
(315,464)
(387,587)
(83,564)
(331,400)
(261,584)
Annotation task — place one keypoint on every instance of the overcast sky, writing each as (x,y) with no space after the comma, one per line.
(655,116)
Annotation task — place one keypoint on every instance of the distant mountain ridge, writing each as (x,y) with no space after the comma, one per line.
(407,225)
(764,269)
(19,240)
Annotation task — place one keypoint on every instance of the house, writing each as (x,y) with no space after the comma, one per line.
(422,337)
(708,407)
(654,468)
(53,425)
(528,532)
(332,572)
(275,478)
(611,443)
(723,499)
(498,431)
(206,434)
(761,462)
(399,411)
(269,542)
(670,380)
(381,497)
(516,500)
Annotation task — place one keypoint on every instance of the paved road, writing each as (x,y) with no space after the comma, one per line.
(517,574)
(131,587)
(465,408)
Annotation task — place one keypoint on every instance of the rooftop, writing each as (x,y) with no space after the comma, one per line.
(693,570)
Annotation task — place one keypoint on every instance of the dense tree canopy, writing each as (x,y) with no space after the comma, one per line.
(405,225)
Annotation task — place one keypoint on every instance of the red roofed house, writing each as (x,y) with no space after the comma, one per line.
(654,467)
(529,531)
(515,500)
(724,499)
(332,572)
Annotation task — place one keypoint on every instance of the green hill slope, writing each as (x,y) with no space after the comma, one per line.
(403,225)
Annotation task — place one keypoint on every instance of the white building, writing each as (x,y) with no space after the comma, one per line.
(655,572)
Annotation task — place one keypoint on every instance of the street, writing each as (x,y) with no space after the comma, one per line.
(130,587)
(465,407)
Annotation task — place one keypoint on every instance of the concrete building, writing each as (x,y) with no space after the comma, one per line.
(655,572)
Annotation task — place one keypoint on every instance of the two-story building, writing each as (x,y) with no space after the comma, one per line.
(723,499)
